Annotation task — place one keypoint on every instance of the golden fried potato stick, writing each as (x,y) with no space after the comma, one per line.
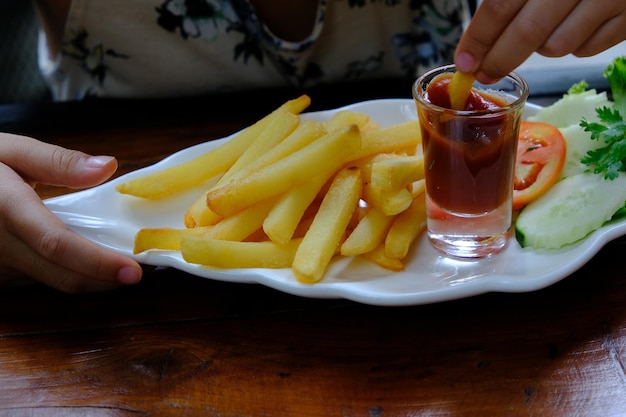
(378,256)
(321,242)
(304,134)
(242,224)
(280,127)
(199,215)
(365,164)
(306,222)
(283,125)
(394,138)
(418,187)
(230,254)
(291,197)
(258,236)
(296,105)
(389,203)
(283,219)
(406,227)
(189,174)
(459,89)
(368,233)
(388,179)
(397,172)
(237,227)
(164,238)
(323,157)
(345,118)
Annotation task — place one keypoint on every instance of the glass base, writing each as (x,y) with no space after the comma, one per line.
(468,246)
(468,235)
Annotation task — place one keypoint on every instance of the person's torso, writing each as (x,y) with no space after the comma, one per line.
(144,48)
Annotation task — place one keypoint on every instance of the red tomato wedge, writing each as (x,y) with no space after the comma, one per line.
(541,151)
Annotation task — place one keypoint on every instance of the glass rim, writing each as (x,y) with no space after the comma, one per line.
(512,106)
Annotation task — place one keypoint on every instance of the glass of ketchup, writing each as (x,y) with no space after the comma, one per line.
(469,162)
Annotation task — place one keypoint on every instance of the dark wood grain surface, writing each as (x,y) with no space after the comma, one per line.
(181,345)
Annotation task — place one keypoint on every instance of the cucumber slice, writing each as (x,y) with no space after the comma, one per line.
(569,211)
(579,143)
(571,108)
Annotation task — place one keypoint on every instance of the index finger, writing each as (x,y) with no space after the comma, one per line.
(489,22)
(37,161)
(503,34)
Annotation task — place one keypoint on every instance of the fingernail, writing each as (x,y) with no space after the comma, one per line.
(465,62)
(98,161)
(129,275)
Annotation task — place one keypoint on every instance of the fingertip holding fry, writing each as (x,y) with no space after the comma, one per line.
(465,62)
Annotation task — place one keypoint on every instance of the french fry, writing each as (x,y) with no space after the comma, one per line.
(257,236)
(388,179)
(237,228)
(459,89)
(199,214)
(395,173)
(230,254)
(292,193)
(378,256)
(394,138)
(368,233)
(321,242)
(242,224)
(418,187)
(324,156)
(281,127)
(307,132)
(366,163)
(283,219)
(171,180)
(405,229)
(278,129)
(389,203)
(165,238)
(304,224)
(297,105)
(345,118)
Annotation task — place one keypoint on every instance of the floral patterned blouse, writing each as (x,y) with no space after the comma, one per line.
(148,48)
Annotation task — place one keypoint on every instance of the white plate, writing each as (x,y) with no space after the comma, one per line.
(111,220)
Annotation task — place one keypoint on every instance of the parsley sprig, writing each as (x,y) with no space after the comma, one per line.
(610,159)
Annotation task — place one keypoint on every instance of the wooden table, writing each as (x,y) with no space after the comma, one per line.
(185,346)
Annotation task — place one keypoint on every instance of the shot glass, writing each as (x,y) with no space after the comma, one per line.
(469,161)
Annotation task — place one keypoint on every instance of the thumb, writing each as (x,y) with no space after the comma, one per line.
(42,162)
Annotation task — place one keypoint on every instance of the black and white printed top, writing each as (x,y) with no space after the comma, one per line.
(152,48)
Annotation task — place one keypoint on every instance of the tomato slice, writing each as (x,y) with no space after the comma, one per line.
(541,151)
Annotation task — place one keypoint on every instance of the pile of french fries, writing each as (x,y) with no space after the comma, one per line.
(287,192)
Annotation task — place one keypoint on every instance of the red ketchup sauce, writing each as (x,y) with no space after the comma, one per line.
(469,159)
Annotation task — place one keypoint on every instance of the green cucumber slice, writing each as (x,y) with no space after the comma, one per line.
(579,143)
(571,108)
(569,211)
